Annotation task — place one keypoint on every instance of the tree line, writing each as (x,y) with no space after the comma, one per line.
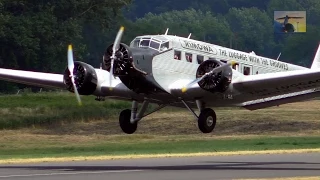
(34,34)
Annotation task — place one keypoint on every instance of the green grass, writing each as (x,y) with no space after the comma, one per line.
(53,125)
(35,109)
(161,147)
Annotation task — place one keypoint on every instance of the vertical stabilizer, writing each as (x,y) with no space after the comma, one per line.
(316,60)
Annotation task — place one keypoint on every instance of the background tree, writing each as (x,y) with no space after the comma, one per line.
(34,34)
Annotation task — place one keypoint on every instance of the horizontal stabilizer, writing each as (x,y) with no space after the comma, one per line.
(316,60)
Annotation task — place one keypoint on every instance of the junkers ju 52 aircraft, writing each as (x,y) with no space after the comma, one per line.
(169,70)
(285,26)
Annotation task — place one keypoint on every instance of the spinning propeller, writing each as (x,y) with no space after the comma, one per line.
(71,69)
(115,48)
(217,69)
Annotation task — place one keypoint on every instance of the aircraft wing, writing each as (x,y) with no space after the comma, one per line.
(273,84)
(33,78)
(257,91)
(281,99)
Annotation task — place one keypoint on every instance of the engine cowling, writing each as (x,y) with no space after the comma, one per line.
(127,67)
(216,82)
(123,63)
(85,78)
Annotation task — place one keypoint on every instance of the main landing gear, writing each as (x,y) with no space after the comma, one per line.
(207,118)
(129,119)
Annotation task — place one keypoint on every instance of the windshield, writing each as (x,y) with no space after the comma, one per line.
(144,42)
(150,42)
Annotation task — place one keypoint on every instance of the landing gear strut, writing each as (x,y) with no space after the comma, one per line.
(128,119)
(206,119)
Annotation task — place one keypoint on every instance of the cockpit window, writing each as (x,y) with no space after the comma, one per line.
(164,46)
(145,43)
(152,42)
(154,45)
(135,43)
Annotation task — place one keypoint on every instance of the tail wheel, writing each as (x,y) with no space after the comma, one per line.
(207,120)
(125,124)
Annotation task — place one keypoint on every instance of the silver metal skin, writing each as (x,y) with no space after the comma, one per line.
(152,74)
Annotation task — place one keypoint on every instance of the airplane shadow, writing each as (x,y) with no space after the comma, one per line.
(210,166)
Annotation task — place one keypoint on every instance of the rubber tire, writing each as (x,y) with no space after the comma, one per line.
(125,124)
(203,123)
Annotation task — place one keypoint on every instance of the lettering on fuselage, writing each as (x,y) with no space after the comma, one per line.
(236,55)
(199,47)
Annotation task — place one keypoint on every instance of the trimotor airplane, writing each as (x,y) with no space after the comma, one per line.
(285,26)
(176,71)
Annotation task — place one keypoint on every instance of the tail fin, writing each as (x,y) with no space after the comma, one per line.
(316,60)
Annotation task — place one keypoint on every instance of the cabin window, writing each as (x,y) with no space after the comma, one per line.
(246,70)
(189,57)
(199,59)
(177,55)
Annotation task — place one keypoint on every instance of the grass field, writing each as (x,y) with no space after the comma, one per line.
(28,146)
(52,125)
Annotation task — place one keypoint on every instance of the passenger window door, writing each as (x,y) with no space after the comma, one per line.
(200,59)
(247,70)
(188,57)
(177,55)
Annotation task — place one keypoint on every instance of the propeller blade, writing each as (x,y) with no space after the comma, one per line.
(115,48)
(111,72)
(117,41)
(76,92)
(217,69)
(71,68)
(70,60)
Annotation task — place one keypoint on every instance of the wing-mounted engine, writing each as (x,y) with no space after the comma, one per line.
(85,78)
(216,82)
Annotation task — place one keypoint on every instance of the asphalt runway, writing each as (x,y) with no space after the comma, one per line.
(189,168)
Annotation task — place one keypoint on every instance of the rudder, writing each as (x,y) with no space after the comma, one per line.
(316,60)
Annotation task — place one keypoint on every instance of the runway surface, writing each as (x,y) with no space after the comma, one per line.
(190,168)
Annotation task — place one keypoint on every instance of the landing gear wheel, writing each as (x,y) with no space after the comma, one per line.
(125,124)
(207,120)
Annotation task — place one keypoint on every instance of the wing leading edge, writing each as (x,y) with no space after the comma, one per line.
(282,99)
(33,78)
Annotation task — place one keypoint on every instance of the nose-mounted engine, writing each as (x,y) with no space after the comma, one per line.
(131,65)
(124,67)
(217,81)
(123,62)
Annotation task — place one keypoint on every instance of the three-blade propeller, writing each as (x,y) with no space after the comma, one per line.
(231,63)
(115,48)
(71,69)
